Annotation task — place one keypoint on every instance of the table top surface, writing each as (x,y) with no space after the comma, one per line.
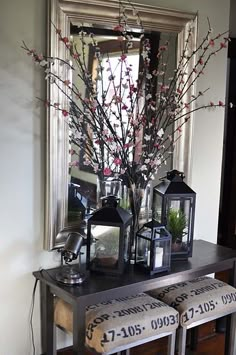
(207,258)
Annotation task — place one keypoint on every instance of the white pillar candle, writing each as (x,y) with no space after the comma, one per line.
(158,257)
(148,258)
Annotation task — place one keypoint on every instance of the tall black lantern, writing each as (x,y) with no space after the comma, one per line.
(174,206)
(108,245)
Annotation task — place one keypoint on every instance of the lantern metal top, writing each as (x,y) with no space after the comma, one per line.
(111,209)
(154,226)
(173,184)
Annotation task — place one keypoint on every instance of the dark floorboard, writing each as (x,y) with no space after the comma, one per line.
(213,345)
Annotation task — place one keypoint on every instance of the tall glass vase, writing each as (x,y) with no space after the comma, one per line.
(134,199)
(140,207)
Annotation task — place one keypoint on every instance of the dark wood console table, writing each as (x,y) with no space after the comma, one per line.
(207,258)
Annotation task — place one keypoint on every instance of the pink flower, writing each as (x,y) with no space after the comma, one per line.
(65,39)
(86,162)
(65,113)
(201,61)
(74,163)
(40,57)
(126,145)
(223,45)
(76,56)
(211,42)
(66,82)
(163,48)
(221,103)
(123,57)
(117,161)
(119,28)
(110,139)
(212,103)
(179,91)
(107,172)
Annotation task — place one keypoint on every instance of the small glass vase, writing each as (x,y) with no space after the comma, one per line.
(112,186)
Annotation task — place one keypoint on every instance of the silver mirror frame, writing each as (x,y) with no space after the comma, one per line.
(60,14)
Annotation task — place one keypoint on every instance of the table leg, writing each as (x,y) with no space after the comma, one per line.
(79,310)
(48,331)
(230,340)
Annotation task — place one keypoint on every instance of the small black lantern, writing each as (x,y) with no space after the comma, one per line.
(153,248)
(174,206)
(108,245)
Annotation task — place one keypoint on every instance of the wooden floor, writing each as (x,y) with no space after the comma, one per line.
(208,345)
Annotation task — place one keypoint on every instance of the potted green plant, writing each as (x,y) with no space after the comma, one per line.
(176,225)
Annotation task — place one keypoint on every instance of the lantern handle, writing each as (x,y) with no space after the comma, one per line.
(170,175)
(110,200)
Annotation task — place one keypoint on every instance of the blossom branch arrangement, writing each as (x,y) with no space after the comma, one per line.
(123,122)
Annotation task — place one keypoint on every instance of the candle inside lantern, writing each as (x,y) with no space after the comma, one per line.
(158,257)
(148,258)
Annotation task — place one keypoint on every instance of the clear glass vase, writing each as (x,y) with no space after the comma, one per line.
(140,206)
(112,186)
(140,200)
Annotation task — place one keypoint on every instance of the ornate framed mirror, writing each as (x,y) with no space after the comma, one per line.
(69,15)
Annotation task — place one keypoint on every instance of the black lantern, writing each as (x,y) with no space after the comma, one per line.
(174,206)
(108,246)
(153,248)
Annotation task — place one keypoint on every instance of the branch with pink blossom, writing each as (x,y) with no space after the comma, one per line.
(127,133)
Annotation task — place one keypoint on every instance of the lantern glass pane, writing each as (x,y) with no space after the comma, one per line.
(179,222)
(127,244)
(143,252)
(104,248)
(162,253)
(157,207)
(146,232)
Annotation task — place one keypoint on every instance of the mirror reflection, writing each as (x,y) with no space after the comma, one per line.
(100,51)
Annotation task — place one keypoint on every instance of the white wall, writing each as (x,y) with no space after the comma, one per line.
(22,142)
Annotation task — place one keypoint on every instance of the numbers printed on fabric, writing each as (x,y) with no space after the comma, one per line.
(228,298)
(137,329)
(200,309)
(137,309)
(164,321)
(124,332)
